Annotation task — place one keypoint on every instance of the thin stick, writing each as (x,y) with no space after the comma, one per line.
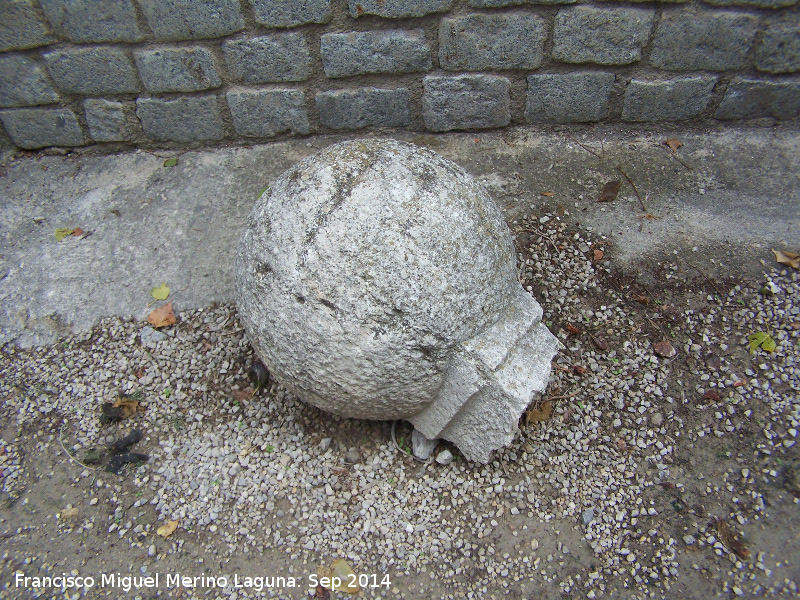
(589,150)
(75,460)
(721,295)
(634,188)
(675,156)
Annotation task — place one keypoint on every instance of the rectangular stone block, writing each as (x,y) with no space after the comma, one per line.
(269,58)
(687,40)
(21,26)
(753,3)
(500,3)
(100,70)
(177,69)
(568,97)
(465,102)
(478,42)
(107,120)
(23,83)
(671,100)
(32,128)
(396,9)
(192,19)
(94,20)
(604,36)
(195,119)
(388,51)
(752,99)
(291,13)
(265,113)
(779,50)
(364,107)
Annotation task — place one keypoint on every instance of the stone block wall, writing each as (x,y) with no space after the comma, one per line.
(171,73)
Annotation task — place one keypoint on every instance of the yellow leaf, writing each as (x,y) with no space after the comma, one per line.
(63,232)
(790,259)
(341,569)
(161,292)
(129,407)
(167,530)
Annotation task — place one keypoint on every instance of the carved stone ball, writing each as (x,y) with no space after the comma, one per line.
(377,280)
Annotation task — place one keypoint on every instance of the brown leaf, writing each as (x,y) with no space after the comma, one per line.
(740,383)
(641,299)
(790,259)
(579,369)
(168,529)
(600,343)
(548,194)
(321,593)
(598,254)
(139,372)
(732,540)
(243,394)
(162,317)
(572,329)
(712,395)
(609,191)
(673,144)
(561,211)
(795,325)
(206,345)
(77,232)
(129,407)
(665,349)
(539,412)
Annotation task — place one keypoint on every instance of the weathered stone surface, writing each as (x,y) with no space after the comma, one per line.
(779,50)
(499,3)
(23,83)
(377,280)
(364,107)
(605,36)
(94,20)
(177,69)
(752,99)
(195,119)
(671,100)
(388,51)
(107,121)
(394,9)
(21,27)
(568,97)
(32,128)
(290,13)
(690,40)
(753,3)
(477,42)
(269,58)
(465,102)
(264,113)
(192,19)
(100,70)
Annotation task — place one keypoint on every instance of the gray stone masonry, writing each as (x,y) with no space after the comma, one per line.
(32,128)
(465,102)
(269,58)
(23,83)
(21,27)
(779,50)
(568,97)
(265,113)
(177,69)
(175,20)
(94,20)
(107,121)
(92,71)
(290,13)
(672,100)
(752,99)
(501,3)
(364,107)
(188,119)
(394,9)
(688,40)
(478,42)
(389,51)
(605,36)
(753,3)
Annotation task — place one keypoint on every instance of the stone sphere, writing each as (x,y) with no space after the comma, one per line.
(364,268)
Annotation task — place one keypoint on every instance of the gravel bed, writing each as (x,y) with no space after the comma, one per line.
(639,484)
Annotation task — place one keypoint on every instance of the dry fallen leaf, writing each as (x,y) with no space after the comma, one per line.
(790,259)
(712,395)
(548,194)
(740,383)
(731,540)
(162,317)
(572,329)
(600,343)
(321,593)
(63,232)
(539,412)
(579,369)
(641,299)
(129,407)
(609,191)
(341,569)
(168,529)
(673,144)
(243,395)
(665,349)
(69,513)
(795,325)
(598,254)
